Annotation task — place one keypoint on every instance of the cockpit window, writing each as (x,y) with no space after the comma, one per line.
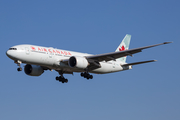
(12,48)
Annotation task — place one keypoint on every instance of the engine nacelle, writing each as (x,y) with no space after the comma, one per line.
(79,62)
(33,70)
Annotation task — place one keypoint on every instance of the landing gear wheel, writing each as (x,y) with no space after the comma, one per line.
(64,80)
(57,78)
(86,75)
(82,74)
(91,77)
(61,79)
(19,69)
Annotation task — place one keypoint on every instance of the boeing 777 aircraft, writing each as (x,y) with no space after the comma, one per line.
(38,59)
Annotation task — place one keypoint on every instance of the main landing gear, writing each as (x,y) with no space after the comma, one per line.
(86,75)
(19,64)
(61,79)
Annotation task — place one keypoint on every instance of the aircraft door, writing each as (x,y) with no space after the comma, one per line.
(27,51)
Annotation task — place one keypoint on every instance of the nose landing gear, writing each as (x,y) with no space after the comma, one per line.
(19,64)
(19,69)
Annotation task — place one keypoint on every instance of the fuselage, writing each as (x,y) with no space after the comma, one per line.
(38,59)
(52,58)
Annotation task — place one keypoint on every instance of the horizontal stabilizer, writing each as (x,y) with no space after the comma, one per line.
(136,63)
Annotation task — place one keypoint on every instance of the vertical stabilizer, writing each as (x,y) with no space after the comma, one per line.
(124,46)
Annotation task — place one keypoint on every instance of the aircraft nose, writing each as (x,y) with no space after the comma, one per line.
(9,54)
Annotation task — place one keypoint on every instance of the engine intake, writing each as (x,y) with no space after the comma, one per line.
(79,62)
(33,70)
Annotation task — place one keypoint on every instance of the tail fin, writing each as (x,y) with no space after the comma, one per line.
(124,46)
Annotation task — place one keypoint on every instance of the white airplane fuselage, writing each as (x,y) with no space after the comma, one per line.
(38,59)
(52,59)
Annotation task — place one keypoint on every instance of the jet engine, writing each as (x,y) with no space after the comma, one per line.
(33,70)
(79,62)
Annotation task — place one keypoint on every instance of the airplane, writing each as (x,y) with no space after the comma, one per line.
(38,59)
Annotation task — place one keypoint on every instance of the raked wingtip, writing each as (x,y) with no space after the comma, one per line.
(167,42)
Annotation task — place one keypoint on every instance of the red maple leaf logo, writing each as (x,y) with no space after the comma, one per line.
(122,48)
(33,48)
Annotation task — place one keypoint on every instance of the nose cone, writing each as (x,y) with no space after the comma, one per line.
(10,54)
(7,53)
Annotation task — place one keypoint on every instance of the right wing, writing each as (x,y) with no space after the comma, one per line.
(95,59)
(115,55)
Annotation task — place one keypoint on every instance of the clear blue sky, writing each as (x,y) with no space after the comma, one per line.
(147,92)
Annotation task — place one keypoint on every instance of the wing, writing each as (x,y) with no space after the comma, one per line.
(95,59)
(115,55)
